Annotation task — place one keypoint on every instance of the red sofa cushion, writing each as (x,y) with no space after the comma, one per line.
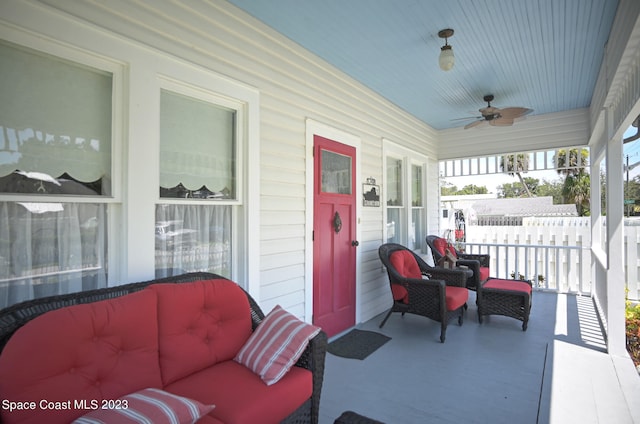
(456,297)
(511,285)
(199,324)
(241,397)
(82,352)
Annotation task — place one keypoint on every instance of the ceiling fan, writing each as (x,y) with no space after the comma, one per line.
(498,117)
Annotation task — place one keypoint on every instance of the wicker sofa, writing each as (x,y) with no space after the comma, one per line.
(64,356)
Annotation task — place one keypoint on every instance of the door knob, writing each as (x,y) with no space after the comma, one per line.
(355,243)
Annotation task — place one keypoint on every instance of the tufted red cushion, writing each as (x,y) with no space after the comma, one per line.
(484,273)
(241,397)
(441,244)
(82,352)
(511,285)
(456,297)
(199,324)
(406,265)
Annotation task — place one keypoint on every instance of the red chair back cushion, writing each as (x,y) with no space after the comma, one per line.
(441,244)
(406,265)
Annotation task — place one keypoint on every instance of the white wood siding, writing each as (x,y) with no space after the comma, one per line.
(537,132)
(293,85)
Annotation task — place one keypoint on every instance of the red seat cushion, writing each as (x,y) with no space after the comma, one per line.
(484,273)
(199,324)
(441,244)
(406,265)
(242,397)
(511,285)
(456,297)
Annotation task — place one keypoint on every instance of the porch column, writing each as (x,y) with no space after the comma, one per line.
(616,344)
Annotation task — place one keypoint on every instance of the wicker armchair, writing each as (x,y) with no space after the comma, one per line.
(313,358)
(440,298)
(478,263)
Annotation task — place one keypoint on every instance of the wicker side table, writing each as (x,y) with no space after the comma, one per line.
(511,298)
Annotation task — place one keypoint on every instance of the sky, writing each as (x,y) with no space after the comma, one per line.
(492,181)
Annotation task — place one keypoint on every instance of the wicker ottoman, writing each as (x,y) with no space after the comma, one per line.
(511,298)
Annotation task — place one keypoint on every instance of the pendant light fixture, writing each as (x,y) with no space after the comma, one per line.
(446,59)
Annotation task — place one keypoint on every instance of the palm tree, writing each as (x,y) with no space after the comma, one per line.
(516,165)
(577,189)
(572,164)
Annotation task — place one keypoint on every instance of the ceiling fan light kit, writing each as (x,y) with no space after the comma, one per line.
(446,59)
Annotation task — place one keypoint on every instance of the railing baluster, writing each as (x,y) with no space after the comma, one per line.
(501,256)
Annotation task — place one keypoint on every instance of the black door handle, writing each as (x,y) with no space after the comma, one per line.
(355,243)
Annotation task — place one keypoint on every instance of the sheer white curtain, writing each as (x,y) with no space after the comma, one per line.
(193,238)
(50,248)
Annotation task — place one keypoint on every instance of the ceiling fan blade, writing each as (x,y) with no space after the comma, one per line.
(514,112)
(474,124)
(501,122)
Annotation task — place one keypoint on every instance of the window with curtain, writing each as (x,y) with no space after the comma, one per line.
(396,220)
(198,173)
(55,141)
(417,233)
(405,206)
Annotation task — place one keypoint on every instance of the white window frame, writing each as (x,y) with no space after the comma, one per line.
(409,158)
(117,69)
(136,70)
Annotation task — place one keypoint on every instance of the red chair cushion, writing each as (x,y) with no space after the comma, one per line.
(406,265)
(456,297)
(400,294)
(441,244)
(484,273)
(511,285)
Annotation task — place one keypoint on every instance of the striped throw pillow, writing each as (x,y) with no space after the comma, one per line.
(276,345)
(148,406)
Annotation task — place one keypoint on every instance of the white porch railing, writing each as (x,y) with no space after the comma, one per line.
(564,269)
(558,249)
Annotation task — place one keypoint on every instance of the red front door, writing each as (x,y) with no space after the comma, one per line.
(334,241)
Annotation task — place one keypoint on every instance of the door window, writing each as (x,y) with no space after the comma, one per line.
(336,173)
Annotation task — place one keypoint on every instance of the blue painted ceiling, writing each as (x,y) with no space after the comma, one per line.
(539,54)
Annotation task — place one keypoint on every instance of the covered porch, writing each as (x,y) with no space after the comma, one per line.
(557,371)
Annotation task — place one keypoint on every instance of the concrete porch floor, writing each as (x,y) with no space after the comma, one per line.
(555,372)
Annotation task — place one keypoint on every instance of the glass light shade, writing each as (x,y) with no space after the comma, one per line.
(446,59)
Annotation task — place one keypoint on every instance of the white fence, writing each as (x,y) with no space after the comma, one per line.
(554,253)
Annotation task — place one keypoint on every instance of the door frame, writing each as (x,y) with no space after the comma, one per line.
(317,128)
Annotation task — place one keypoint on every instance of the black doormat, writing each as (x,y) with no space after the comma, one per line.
(357,344)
